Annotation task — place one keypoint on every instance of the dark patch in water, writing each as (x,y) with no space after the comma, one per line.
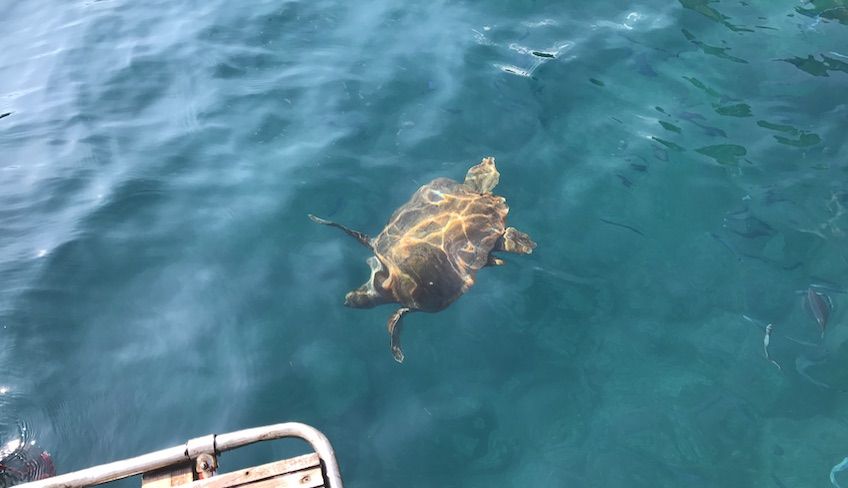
(597,82)
(804,138)
(701,86)
(718,52)
(738,110)
(668,144)
(777,127)
(825,9)
(703,7)
(815,67)
(669,127)
(723,153)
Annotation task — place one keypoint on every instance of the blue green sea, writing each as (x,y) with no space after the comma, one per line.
(682,166)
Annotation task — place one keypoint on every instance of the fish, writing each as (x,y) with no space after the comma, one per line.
(766,340)
(624,226)
(726,245)
(543,54)
(743,224)
(643,66)
(773,262)
(568,277)
(624,180)
(752,228)
(820,306)
(826,285)
(5,114)
(802,363)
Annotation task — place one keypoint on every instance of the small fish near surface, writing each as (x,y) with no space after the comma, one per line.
(820,306)
(623,226)
(624,180)
(726,245)
(766,340)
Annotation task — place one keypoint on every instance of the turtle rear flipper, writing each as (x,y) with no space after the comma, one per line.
(359,236)
(513,240)
(394,326)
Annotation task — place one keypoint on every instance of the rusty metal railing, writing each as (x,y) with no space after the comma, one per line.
(210,445)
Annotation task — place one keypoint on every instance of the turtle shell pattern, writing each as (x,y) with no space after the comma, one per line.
(434,244)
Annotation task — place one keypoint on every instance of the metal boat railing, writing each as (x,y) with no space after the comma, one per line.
(210,445)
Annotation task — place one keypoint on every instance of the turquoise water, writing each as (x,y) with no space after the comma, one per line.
(159,278)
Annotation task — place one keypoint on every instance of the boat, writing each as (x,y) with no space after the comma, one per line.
(195,464)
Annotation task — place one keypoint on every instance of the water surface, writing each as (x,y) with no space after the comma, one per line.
(679,163)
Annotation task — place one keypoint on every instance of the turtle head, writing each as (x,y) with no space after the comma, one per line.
(483,177)
(371,293)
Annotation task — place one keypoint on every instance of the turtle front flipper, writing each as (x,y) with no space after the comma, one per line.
(513,240)
(394,326)
(369,294)
(359,236)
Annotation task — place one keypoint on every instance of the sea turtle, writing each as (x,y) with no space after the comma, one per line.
(429,253)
